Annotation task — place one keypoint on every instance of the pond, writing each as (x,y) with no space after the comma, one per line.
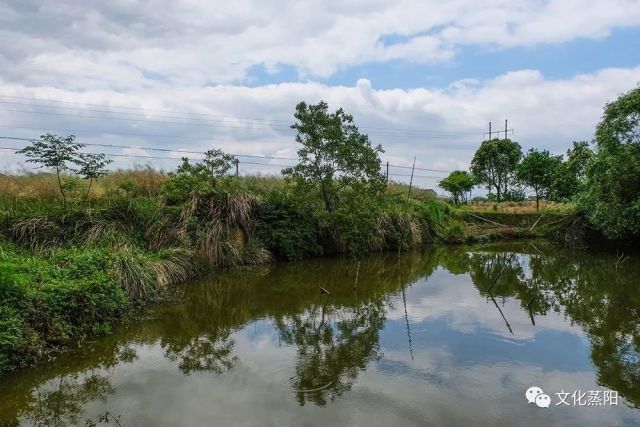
(451,335)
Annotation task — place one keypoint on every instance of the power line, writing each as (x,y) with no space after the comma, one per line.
(167,150)
(243,126)
(136,156)
(129,119)
(272,123)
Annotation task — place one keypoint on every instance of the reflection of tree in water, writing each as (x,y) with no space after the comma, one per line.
(591,290)
(61,402)
(605,301)
(333,347)
(206,352)
(337,336)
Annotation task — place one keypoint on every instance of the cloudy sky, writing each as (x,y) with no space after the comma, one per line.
(422,78)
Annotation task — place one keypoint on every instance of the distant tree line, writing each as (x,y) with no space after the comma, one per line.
(604,181)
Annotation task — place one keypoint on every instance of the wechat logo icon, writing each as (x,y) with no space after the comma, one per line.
(537,396)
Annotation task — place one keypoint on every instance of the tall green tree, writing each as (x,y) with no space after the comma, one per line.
(537,170)
(494,164)
(569,178)
(334,155)
(612,193)
(458,183)
(56,152)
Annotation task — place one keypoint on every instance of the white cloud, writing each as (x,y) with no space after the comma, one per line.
(122,43)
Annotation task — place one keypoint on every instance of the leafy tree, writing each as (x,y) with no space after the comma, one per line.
(201,176)
(56,152)
(494,164)
(537,170)
(92,166)
(612,193)
(218,163)
(458,183)
(334,154)
(569,177)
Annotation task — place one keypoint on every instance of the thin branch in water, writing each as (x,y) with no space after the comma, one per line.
(501,314)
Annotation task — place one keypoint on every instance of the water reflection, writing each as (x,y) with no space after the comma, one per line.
(425,305)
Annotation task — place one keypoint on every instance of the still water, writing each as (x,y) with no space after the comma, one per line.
(446,336)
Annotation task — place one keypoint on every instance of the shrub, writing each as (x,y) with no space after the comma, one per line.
(286,228)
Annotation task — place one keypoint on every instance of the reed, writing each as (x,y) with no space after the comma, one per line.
(135,273)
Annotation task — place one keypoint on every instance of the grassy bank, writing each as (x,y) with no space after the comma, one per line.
(68,274)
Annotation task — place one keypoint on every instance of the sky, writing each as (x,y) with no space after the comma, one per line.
(421,78)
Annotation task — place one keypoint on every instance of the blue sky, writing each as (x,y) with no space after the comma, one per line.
(620,49)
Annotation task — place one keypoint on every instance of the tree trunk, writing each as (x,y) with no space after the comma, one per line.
(537,202)
(498,193)
(86,196)
(327,203)
(64,198)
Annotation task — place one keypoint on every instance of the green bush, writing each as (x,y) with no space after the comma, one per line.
(286,229)
(45,302)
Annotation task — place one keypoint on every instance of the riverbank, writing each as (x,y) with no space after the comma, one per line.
(68,275)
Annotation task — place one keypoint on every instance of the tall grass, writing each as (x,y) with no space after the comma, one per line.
(224,226)
(142,275)
(135,273)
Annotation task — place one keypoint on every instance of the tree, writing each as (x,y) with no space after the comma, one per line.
(612,193)
(56,152)
(218,163)
(458,183)
(494,164)
(537,170)
(200,176)
(334,154)
(92,166)
(569,178)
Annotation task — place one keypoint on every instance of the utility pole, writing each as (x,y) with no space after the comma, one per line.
(387,170)
(411,181)
(505,128)
(489,131)
(237,167)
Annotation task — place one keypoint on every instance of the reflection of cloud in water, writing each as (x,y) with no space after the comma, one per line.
(444,295)
(431,391)
(487,394)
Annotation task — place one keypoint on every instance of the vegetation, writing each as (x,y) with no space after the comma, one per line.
(79,247)
(569,177)
(537,170)
(335,157)
(494,164)
(603,185)
(55,152)
(458,183)
(612,194)
(77,259)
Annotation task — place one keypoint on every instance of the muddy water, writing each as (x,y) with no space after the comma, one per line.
(446,336)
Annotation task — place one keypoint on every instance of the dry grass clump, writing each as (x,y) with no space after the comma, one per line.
(142,275)
(135,273)
(140,181)
(36,186)
(397,230)
(225,230)
(175,265)
(525,207)
(38,234)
